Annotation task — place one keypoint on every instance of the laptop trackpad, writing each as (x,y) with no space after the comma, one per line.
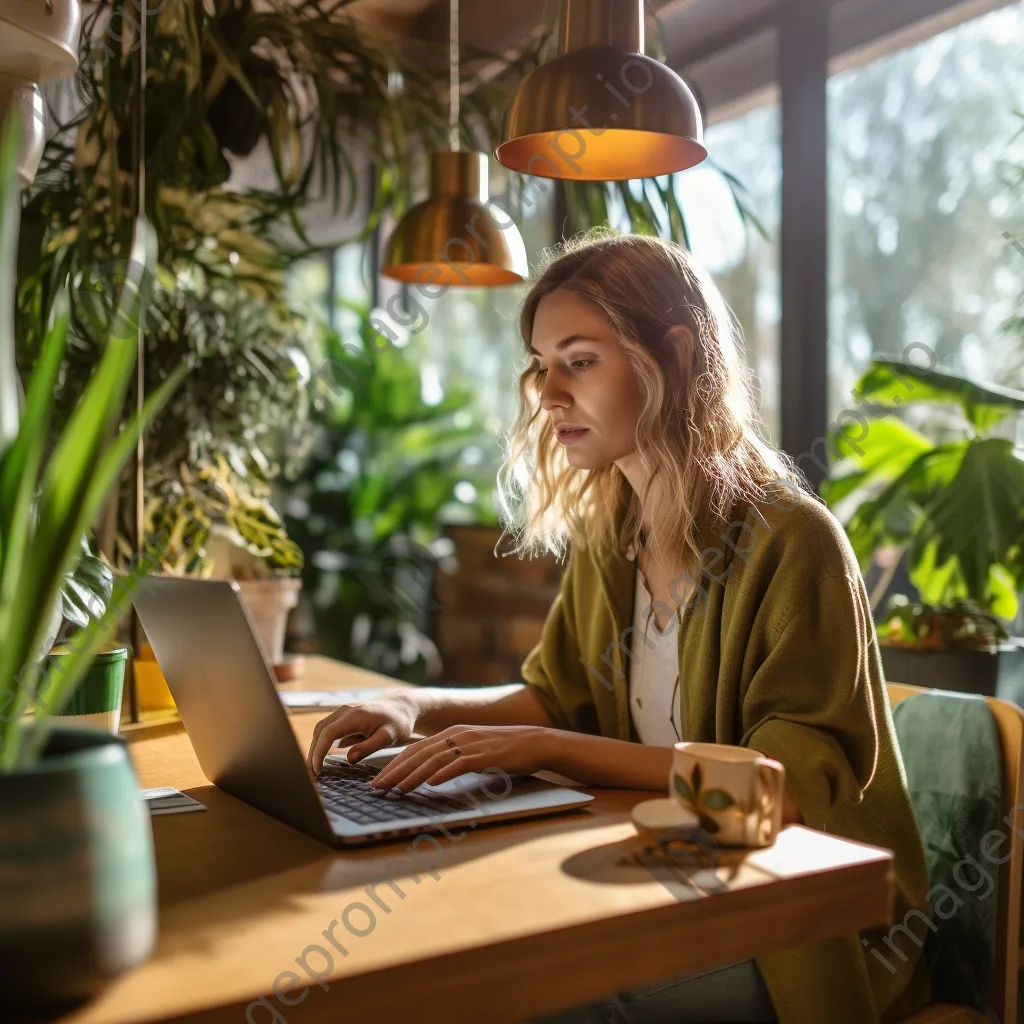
(469,783)
(379,758)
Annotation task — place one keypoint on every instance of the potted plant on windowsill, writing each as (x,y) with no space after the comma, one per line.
(953,508)
(954,647)
(77,875)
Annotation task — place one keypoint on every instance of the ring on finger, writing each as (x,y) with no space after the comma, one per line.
(451,743)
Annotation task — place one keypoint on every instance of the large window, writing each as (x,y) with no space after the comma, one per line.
(743,258)
(921,152)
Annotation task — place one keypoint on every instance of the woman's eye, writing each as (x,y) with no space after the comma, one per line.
(580,364)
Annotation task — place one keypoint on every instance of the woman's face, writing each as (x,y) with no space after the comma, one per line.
(587,384)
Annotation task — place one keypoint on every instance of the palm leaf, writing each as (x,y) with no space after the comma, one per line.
(77,455)
(19,472)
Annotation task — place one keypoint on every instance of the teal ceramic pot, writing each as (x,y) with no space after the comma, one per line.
(77,873)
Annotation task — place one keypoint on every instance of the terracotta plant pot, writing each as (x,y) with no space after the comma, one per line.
(269,602)
(77,874)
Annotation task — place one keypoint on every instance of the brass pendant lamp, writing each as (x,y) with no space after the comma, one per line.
(456,237)
(601,110)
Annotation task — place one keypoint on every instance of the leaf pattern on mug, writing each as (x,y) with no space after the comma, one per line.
(718,800)
(700,802)
(685,792)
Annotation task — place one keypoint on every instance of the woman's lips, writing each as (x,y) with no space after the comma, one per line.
(571,436)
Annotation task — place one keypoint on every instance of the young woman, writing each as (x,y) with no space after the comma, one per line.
(707,597)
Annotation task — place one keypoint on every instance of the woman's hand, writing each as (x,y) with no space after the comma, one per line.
(385,722)
(515,749)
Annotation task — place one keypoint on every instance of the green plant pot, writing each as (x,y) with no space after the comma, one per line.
(96,702)
(77,874)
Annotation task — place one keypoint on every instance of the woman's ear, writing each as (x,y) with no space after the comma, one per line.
(679,335)
(679,345)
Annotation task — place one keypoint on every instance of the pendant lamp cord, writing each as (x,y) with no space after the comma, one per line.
(453,76)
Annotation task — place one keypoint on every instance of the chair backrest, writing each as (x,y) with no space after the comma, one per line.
(1009,721)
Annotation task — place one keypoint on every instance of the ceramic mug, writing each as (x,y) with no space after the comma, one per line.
(737,793)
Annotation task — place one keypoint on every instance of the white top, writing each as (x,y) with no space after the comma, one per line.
(654,673)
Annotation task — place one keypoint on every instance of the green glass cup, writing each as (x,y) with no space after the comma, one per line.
(96,703)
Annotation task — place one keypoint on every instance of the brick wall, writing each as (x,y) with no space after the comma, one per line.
(492,609)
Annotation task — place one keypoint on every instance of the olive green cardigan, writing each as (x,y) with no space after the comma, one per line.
(777,652)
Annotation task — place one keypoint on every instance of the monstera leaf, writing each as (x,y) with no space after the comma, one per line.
(894,383)
(977,522)
(893,516)
(87,588)
(878,458)
(955,507)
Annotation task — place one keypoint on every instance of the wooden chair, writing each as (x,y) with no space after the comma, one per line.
(1002,996)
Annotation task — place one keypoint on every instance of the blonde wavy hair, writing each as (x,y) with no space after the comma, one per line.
(697,434)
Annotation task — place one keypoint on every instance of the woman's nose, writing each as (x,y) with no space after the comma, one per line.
(553,395)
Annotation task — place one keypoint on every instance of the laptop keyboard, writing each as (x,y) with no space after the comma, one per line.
(345,789)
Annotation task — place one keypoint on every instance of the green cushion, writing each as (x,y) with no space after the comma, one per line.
(950,749)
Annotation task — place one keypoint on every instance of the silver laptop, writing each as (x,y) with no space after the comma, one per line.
(221,680)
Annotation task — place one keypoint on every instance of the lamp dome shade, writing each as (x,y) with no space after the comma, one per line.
(457,236)
(601,110)
(39,38)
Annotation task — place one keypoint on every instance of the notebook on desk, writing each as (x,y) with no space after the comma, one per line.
(219,675)
(311,700)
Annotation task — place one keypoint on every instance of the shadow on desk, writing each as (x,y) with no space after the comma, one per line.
(234,862)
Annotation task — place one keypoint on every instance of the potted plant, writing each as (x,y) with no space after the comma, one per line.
(218,292)
(240,418)
(77,874)
(952,508)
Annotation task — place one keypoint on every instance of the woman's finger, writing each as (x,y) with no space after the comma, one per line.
(416,748)
(382,737)
(400,765)
(407,761)
(446,757)
(458,767)
(352,723)
(333,717)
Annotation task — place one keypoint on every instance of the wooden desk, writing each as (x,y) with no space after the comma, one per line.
(522,918)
